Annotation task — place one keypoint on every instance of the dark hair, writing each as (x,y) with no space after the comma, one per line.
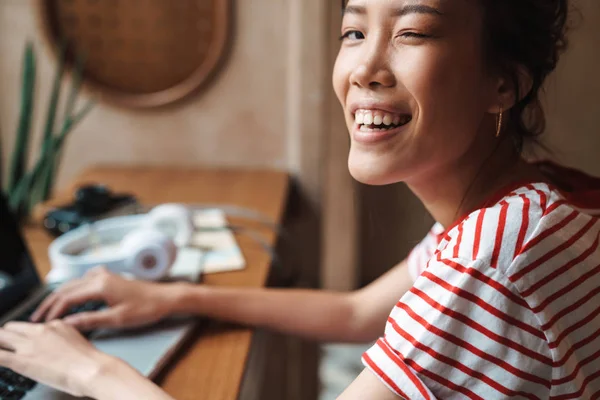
(524,36)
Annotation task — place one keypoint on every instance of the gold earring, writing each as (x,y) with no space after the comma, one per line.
(499,121)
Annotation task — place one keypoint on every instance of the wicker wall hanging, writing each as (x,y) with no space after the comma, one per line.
(140,53)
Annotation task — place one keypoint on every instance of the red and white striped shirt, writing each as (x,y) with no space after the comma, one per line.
(508,304)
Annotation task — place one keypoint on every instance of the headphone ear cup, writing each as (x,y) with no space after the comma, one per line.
(174,220)
(149,253)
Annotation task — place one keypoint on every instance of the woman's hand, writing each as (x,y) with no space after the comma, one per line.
(130,303)
(54,354)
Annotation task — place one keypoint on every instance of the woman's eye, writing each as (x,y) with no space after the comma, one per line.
(353,35)
(414,35)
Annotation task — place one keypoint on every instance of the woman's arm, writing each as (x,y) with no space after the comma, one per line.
(358,316)
(368,386)
(117,380)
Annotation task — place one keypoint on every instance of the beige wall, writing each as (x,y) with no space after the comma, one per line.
(241,119)
(572,100)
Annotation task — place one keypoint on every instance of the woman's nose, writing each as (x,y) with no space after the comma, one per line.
(373,69)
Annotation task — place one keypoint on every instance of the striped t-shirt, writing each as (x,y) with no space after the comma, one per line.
(507,305)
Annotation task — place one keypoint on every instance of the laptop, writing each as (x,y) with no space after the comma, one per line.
(21,289)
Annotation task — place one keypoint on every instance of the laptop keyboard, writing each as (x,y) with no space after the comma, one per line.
(14,386)
(89,306)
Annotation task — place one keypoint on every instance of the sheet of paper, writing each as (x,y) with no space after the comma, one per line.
(213,248)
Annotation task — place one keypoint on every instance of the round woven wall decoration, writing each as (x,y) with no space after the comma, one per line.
(140,53)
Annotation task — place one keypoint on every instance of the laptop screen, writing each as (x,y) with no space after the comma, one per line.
(18,276)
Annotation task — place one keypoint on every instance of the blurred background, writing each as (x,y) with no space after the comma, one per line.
(267,102)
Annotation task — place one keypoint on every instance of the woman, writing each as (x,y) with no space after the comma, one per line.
(499,300)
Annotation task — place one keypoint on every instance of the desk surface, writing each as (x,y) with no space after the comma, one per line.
(213,365)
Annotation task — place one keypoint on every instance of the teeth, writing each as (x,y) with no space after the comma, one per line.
(377,118)
(381,120)
(360,118)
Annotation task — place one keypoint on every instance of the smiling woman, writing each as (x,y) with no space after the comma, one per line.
(442,95)
(499,300)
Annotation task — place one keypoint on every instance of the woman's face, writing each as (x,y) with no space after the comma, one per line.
(411,80)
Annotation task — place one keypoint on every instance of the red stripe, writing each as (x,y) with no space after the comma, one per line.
(394,357)
(458,240)
(486,306)
(499,234)
(576,347)
(467,346)
(479,328)
(557,250)
(383,376)
(461,367)
(445,239)
(595,396)
(573,328)
(487,280)
(524,225)
(442,381)
(571,308)
(478,229)
(554,206)
(549,231)
(577,394)
(581,364)
(543,200)
(550,277)
(566,289)
(543,197)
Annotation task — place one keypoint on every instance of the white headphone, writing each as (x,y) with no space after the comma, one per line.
(145,246)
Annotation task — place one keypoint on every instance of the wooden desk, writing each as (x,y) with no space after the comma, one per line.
(213,366)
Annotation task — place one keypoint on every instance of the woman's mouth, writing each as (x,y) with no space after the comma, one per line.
(375,125)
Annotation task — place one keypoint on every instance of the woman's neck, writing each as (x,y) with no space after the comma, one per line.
(455,190)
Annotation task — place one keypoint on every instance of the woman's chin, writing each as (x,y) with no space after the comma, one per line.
(372,172)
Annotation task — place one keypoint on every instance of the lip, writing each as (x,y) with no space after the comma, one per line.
(375,137)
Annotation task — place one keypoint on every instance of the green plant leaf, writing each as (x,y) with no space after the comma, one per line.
(76,85)
(20,152)
(35,185)
(68,115)
(43,185)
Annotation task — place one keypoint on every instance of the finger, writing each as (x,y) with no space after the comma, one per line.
(23,328)
(63,303)
(97,271)
(7,359)
(107,318)
(10,340)
(50,299)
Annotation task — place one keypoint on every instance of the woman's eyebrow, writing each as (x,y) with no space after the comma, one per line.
(400,12)
(416,9)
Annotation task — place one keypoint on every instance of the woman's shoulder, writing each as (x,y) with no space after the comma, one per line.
(526,223)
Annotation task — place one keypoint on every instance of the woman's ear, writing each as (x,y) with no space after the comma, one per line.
(510,89)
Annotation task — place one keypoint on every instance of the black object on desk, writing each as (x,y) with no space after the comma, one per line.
(90,203)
